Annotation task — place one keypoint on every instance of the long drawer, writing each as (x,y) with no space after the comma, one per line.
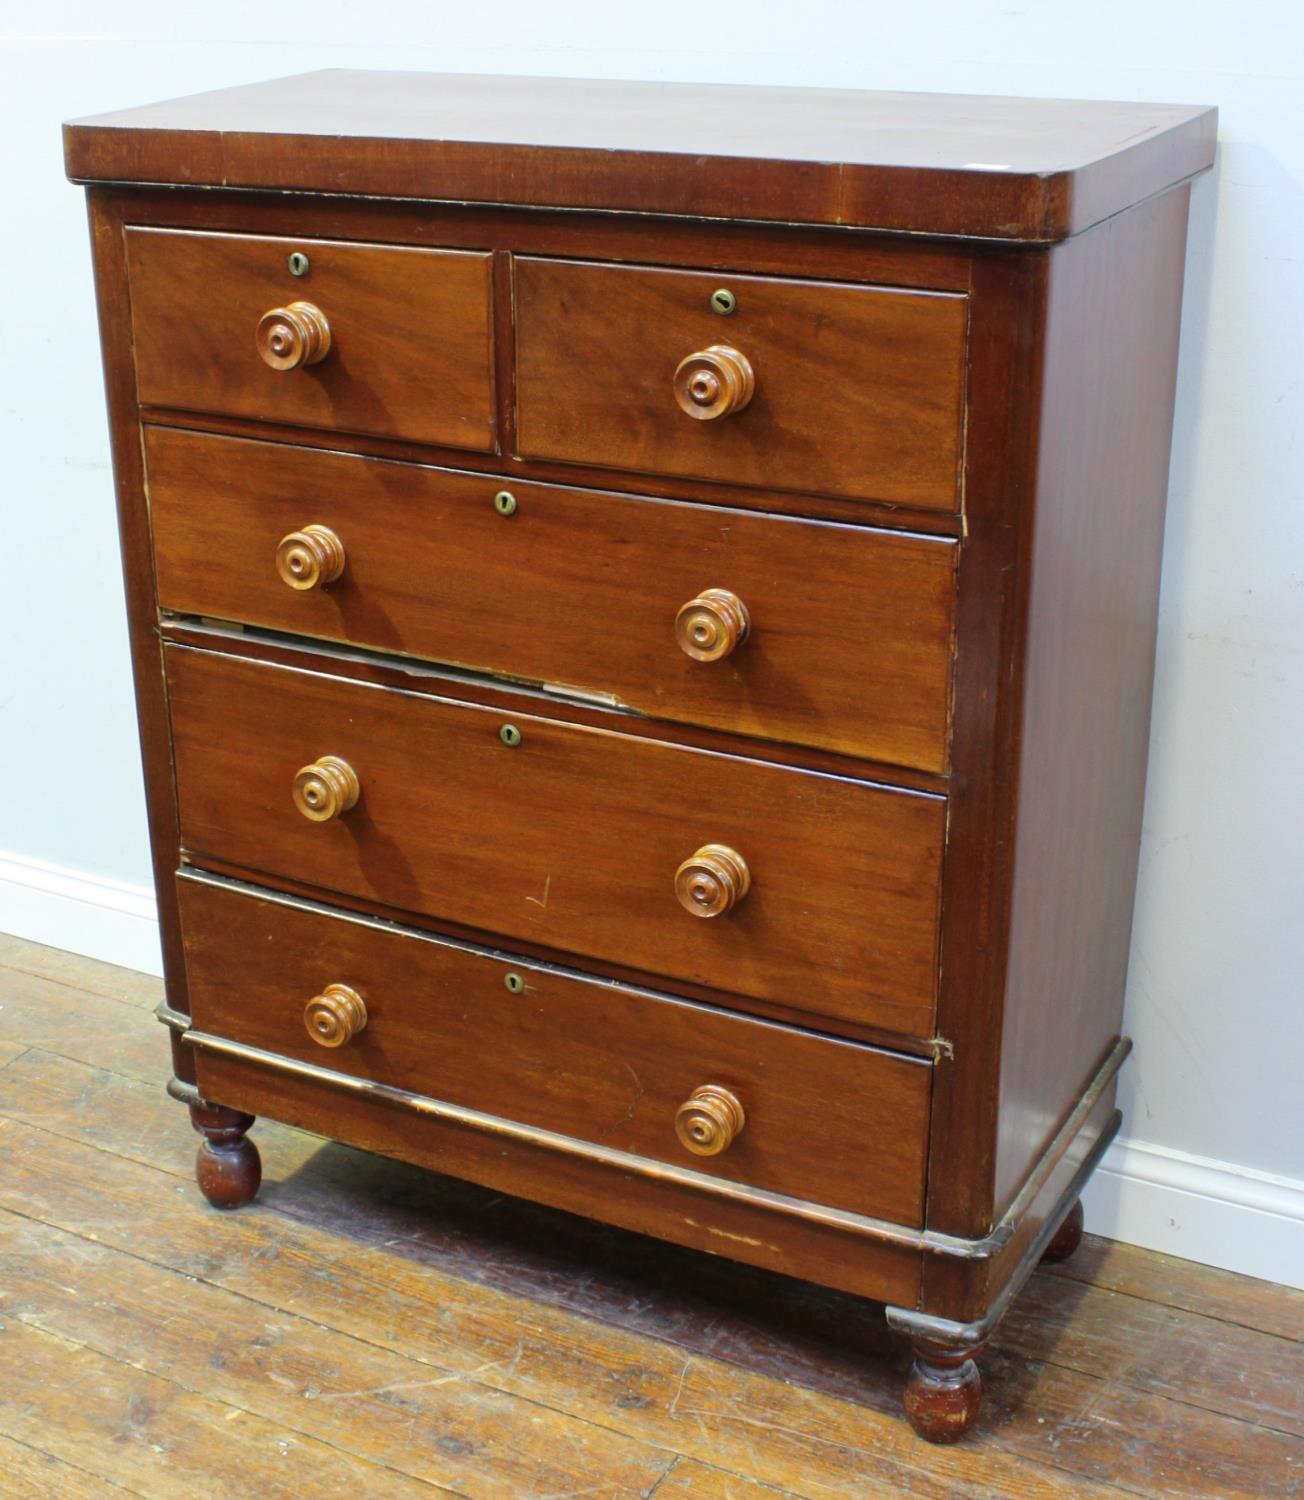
(810,386)
(385,339)
(847,637)
(816,892)
(586,1059)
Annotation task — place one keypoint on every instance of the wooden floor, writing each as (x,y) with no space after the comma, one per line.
(366,1330)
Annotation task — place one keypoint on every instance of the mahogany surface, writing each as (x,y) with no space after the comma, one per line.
(1113,311)
(850,640)
(806,674)
(754,1232)
(410,333)
(227,1165)
(581,1057)
(1013,169)
(858,390)
(545,841)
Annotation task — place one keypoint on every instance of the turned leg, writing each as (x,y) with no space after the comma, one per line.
(1066,1238)
(227,1167)
(944,1390)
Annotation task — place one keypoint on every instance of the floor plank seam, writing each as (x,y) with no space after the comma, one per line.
(1099,1398)
(140,1006)
(75,1140)
(414,1359)
(153,1084)
(1061,1273)
(613,1323)
(1035,1462)
(849,1449)
(309,1438)
(1076,1476)
(156,1081)
(1123,1384)
(77,1468)
(673,1465)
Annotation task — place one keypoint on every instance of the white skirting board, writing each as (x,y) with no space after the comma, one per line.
(1207,1211)
(88,914)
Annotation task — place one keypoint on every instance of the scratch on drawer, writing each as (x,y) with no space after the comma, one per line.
(724,1234)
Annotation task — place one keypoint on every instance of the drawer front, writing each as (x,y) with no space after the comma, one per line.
(847,645)
(572,838)
(833,1122)
(409,347)
(854,391)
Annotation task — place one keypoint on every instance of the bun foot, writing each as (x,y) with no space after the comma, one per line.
(228,1168)
(1066,1238)
(944,1391)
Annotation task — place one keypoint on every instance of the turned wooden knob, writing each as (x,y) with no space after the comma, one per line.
(712,625)
(709,1121)
(714,880)
(311,558)
(326,789)
(714,382)
(294,335)
(335,1016)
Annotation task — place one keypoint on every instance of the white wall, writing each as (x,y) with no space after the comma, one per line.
(1214,1096)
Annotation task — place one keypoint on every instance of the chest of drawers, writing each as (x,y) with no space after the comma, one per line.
(643,607)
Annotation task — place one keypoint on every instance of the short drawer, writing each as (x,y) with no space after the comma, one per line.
(826,889)
(832,1122)
(846,631)
(379,338)
(818,387)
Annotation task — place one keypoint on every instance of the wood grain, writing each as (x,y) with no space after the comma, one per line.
(32,1473)
(1011,169)
(729,1367)
(859,390)
(587,1059)
(85,1403)
(983,393)
(410,333)
(137,560)
(841,918)
(385,669)
(1111,336)
(1181,1358)
(740,1225)
(630,1374)
(75,969)
(393,1414)
(851,639)
(999,491)
(1169,1281)
(119,1038)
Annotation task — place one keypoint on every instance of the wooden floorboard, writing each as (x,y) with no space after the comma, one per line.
(124,985)
(404,1333)
(32,1473)
(1170,1282)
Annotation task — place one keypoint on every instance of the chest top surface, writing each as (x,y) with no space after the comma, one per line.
(1010,169)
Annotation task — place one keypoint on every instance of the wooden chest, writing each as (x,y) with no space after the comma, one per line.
(643,603)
